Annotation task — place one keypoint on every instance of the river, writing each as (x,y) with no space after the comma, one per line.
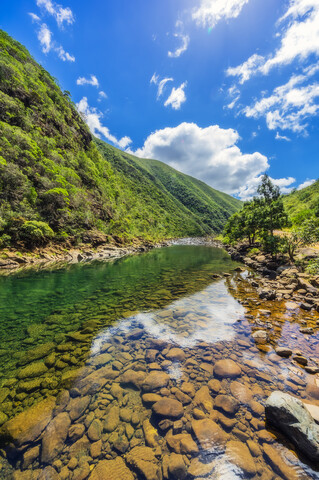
(145,368)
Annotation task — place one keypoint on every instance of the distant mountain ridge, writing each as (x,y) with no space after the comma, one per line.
(57,182)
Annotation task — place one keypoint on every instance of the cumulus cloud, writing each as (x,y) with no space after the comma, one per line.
(177,97)
(289,106)
(65,56)
(93,118)
(306,183)
(210,154)
(45,38)
(182,48)
(88,81)
(248,191)
(61,15)
(210,12)
(34,17)
(299,40)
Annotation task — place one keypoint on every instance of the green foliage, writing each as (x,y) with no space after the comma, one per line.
(298,236)
(53,171)
(259,217)
(301,204)
(35,233)
(313,267)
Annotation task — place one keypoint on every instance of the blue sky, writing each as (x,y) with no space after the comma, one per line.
(223,90)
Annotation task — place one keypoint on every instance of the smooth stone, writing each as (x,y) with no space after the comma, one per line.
(29,424)
(151,398)
(155,381)
(151,434)
(200,469)
(176,354)
(209,434)
(111,470)
(168,408)
(288,414)
(77,406)
(188,388)
(133,378)
(76,431)
(239,454)
(214,385)
(101,360)
(227,403)
(278,463)
(95,430)
(144,461)
(32,370)
(241,392)
(283,352)
(54,437)
(112,419)
(176,467)
(227,369)
(36,353)
(203,400)
(261,337)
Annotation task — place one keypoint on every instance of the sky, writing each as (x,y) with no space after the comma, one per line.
(223,90)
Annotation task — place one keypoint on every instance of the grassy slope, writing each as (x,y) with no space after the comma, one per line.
(210,207)
(301,201)
(52,171)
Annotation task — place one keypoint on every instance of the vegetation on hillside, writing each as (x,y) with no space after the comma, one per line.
(55,184)
(302,204)
(259,218)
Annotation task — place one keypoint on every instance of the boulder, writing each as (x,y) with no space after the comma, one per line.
(54,437)
(209,434)
(133,379)
(227,369)
(227,403)
(112,419)
(29,424)
(176,354)
(203,400)
(283,351)
(239,454)
(176,467)
(168,408)
(143,460)
(289,415)
(154,381)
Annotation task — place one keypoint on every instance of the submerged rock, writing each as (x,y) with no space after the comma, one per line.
(111,470)
(227,369)
(168,408)
(154,381)
(54,437)
(289,415)
(143,460)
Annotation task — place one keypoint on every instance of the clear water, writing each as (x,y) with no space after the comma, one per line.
(62,331)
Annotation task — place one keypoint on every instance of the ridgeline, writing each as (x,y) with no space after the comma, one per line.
(59,184)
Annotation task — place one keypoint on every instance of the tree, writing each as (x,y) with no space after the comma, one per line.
(299,236)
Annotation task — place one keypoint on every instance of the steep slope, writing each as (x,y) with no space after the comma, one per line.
(210,207)
(55,184)
(300,203)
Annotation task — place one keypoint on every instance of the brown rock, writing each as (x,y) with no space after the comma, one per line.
(227,403)
(176,354)
(111,470)
(241,391)
(278,463)
(27,425)
(151,398)
(77,406)
(208,433)
(227,369)
(143,460)
(112,419)
(176,467)
(214,385)
(203,400)
(95,430)
(154,381)
(200,469)
(150,434)
(168,408)
(54,437)
(239,454)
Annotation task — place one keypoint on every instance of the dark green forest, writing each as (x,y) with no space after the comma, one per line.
(59,184)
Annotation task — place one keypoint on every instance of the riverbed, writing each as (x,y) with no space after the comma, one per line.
(145,368)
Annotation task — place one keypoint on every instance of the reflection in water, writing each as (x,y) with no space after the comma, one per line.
(154,369)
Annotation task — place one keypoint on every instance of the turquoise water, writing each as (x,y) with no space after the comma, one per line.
(92,339)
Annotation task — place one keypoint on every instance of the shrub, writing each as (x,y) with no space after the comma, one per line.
(35,233)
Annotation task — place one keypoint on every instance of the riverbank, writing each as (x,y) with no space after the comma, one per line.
(280,279)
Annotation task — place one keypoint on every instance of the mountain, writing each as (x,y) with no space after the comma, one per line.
(302,203)
(58,182)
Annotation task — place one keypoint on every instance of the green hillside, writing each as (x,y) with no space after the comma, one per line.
(301,204)
(58,183)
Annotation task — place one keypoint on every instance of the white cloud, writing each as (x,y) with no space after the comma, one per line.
(160,83)
(45,38)
(34,17)
(210,154)
(282,137)
(93,119)
(248,191)
(306,183)
(184,45)
(177,97)
(102,94)
(62,15)
(88,81)
(65,56)
(244,71)
(210,12)
(299,40)
(289,105)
